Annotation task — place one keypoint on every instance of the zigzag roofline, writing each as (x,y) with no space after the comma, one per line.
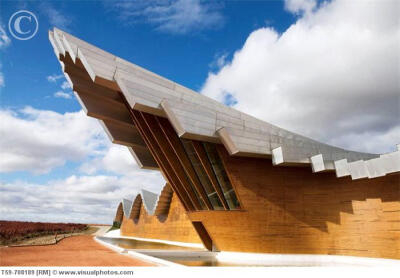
(154,204)
(97,76)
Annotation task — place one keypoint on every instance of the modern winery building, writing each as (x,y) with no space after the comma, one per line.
(234,182)
(160,217)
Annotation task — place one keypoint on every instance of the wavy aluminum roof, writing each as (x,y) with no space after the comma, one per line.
(126,206)
(155,204)
(195,116)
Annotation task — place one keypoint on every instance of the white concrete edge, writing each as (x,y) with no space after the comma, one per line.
(317,163)
(86,65)
(178,253)
(113,233)
(53,43)
(108,245)
(117,234)
(302,260)
(58,42)
(261,259)
(153,259)
(176,243)
(136,255)
(277,156)
(68,48)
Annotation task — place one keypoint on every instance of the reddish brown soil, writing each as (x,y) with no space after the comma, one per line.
(17,229)
(74,251)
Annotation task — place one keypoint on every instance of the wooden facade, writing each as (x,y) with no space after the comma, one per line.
(119,216)
(285,210)
(290,210)
(256,192)
(171,223)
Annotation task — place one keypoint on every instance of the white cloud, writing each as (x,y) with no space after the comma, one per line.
(4,39)
(176,16)
(333,75)
(61,94)
(55,17)
(65,85)
(38,140)
(83,199)
(2,84)
(220,60)
(300,6)
(118,160)
(54,77)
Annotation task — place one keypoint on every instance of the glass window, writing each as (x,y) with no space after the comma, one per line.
(221,175)
(205,182)
(202,205)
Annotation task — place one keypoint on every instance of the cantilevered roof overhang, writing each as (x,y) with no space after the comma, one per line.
(97,77)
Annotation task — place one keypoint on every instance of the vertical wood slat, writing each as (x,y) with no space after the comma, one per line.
(177,147)
(170,156)
(201,154)
(162,160)
(157,159)
(152,147)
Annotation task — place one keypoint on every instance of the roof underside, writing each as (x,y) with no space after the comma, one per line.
(97,77)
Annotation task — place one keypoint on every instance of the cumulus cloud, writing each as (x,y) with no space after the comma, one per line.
(83,199)
(65,85)
(333,75)
(54,77)
(39,140)
(117,159)
(177,16)
(300,6)
(61,94)
(87,198)
(220,59)
(55,17)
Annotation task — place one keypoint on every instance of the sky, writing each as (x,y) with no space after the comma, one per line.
(325,69)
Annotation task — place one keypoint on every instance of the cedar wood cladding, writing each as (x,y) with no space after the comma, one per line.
(284,208)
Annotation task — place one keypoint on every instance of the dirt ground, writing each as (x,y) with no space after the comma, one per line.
(80,250)
(45,239)
(52,239)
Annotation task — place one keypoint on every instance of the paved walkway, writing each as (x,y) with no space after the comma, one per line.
(101,230)
(74,251)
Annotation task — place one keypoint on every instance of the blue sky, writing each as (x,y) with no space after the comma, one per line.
(299,64)
(184,58)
